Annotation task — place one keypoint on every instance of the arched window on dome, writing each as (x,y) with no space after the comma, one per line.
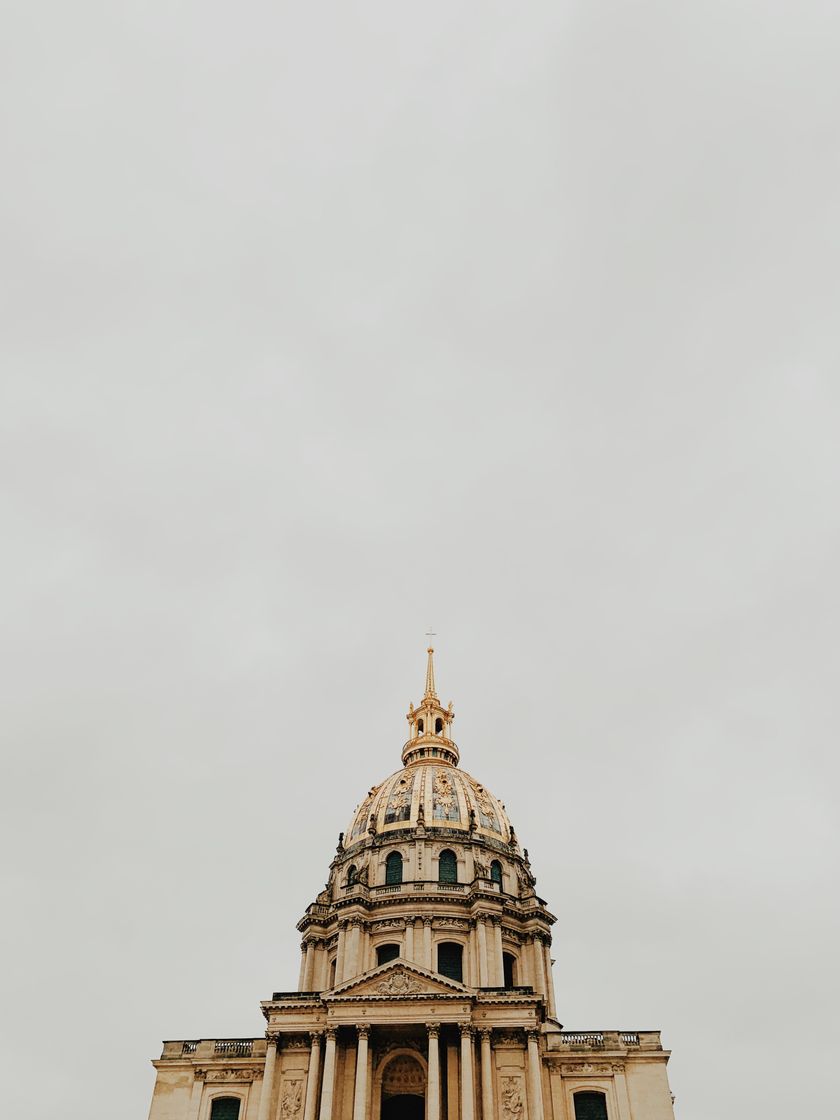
(388,952)
(450,957)
(447,867)
(394,868)
(225,1108)
(438,726)
(590,1106)
(419,727)
(496,872)
(352,875)
(509,966)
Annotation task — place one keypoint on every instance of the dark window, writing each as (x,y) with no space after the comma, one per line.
(590,1106)
(385,953)
(438,727)
(332,972)
(419,727)
(393,868)
(496,872)
(447,867)
(510,977)
(225,1108)
(450,960)
(352,874)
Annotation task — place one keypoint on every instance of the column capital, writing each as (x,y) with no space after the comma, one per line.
(427,921)
(466,1030)
(486,1033)
(303,945)
(532,1035)
(481,918)
(433,1029)
(316,1037)
(272,1037)
(330,1032)
(496,919)
(363,1031)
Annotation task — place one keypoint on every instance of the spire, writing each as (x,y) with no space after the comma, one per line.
(430,725)
(430,676)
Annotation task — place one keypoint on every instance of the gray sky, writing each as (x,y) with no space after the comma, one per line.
(326,323)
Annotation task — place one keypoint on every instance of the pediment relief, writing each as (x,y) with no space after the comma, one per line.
(397,980)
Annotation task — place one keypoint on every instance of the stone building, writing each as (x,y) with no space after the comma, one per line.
(425,985)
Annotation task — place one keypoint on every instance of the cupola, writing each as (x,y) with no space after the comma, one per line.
(430,726)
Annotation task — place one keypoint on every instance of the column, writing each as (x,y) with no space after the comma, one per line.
(408,948)
(340,951)
(473,972)
(427,942)
(351,951)
(486,1075)
(364,952)
(308,963)
(360,1094)
(329,1077)
(268,1076)
(535,1107)
(452,1102)
(433,1091)
(325,966)
(312,1077)
(539,964)
(302,973)
(526,972)
(467,1075)
(549,980)
(483,982)
(499,968)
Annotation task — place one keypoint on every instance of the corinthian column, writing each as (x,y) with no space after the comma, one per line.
(329,1077)
(427,942)
(486,1074)
(539,965)
(312,1077)
(549,981)
(433,1100)
(268,1076)
(360,1092)
(340,952)
(499,963)
(307,967)
(467,1076)
(483,981)
(535,1109)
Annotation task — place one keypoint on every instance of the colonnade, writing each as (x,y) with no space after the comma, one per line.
(361,1091)
(483,956)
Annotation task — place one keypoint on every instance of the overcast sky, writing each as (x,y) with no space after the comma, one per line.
(327,323)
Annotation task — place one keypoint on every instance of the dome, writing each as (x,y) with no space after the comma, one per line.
(435,794)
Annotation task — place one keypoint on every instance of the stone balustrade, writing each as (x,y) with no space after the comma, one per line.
(208,1049)
(610,1040)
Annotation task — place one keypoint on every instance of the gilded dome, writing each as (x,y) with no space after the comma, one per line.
(436,794)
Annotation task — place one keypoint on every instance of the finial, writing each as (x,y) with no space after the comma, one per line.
(430,676)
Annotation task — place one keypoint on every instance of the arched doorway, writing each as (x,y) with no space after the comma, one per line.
(403,1088)
(405,1106)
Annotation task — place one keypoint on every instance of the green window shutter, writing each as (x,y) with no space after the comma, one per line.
(447,868)
(225,1108)
(590,1106)
(450,960)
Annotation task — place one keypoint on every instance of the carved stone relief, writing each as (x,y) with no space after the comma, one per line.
(511,1098)
(291,1099)
(398,983)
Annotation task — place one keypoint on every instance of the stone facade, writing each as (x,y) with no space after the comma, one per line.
(425,983)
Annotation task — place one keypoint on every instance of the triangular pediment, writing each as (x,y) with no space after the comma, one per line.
(398,979)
